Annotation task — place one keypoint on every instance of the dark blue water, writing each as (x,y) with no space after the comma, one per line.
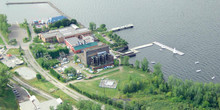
(191,26)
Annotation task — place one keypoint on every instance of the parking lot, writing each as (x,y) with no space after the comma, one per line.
(20,93)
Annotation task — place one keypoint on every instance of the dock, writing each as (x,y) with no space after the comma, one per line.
(142,46)
(168,48)
(17,3)
(133,51)
(122,27)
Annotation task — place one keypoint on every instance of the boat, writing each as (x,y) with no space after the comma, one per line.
(213,77)
(198,71)
(174,51)
(160,49)
(152,62)
(197,62)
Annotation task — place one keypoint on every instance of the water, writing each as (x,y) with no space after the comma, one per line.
(191,26)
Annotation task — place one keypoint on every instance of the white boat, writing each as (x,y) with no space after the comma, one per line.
(152,62)
(160,49)
(198,71)
(174,51)
(197,62)
(213,77)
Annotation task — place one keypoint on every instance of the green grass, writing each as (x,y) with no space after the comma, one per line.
(51,89)
(14,51)
(8,101)
(154,102)
(1,41)
(40,98)
(121,77)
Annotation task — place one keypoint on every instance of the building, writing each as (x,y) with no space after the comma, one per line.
(78,44)
(98,57)
(34,104)
(55,19)
(64,33)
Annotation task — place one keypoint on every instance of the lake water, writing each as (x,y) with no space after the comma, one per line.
(191,26)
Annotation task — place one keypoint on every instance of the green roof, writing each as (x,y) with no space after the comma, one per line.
(80,47)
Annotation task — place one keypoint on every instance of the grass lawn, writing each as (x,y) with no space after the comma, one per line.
(1,41)
(154,102)
(14,51)
(51,89)
(121,77)
(40,98)
(8,101)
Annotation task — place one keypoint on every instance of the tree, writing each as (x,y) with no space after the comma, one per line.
(88,105)
(92,26)
(64,106)
(70,70)
(20,49)
(44,29)
(144,65)
(73,21)
(4,78)
(126,60)
(116,62)
(38,76)
(13,42)
(75,58)
(137,64)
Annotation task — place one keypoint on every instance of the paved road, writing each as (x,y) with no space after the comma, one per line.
(45,95)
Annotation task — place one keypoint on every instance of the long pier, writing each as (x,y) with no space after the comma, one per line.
(17,3)
(168,48)
(122,27)
(142,46)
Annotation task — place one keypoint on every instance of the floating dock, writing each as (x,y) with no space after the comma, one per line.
(122,27)
(133,51)
(168,48)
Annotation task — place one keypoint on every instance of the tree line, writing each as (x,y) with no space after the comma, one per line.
(4,26)
(25,25)
(119,42)
(102,31)
(56,75)
(63,23)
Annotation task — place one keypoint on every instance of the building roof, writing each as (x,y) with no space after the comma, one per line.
(55,19)
(65,32)
(74,41)
(98,47)
(70,31)
(50,34)
(80,47)
(33,103)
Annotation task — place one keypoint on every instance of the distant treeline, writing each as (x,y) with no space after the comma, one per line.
(4,26)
